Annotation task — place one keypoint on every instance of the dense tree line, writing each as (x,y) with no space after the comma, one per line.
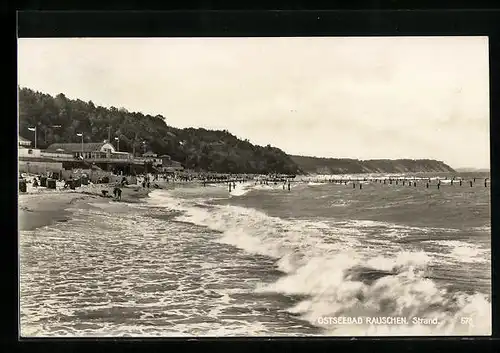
(59,119)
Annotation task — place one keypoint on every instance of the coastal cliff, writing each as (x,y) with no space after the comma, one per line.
(353,166)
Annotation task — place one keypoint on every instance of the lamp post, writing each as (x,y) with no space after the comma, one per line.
(133,145)
(33,129)
(81,134)
(181,143)
(144,160)
(118,144)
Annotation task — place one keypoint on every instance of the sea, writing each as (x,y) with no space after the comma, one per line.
(320,259)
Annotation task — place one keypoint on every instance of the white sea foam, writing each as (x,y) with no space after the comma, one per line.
(339,274)
(336,268)
(241,189)
(463,251)
(103,271)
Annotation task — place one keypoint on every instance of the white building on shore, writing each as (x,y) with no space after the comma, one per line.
(24,143)
(93,150)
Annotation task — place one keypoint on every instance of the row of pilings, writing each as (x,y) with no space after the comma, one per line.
(410,182)
(358,182)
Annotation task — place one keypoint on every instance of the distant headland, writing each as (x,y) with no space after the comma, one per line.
(353,166)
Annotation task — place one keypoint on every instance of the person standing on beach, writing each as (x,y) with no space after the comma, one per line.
(117,192)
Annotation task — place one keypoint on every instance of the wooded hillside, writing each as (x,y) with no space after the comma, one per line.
(196,148)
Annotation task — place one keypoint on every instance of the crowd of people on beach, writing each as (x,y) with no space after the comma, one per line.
(146,180)
(158,180)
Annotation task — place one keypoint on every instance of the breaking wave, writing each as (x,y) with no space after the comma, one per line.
(330,266)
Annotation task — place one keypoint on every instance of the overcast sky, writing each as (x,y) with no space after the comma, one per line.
(328,97)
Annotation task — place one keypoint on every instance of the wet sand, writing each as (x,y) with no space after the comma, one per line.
(44,208)
(41,206)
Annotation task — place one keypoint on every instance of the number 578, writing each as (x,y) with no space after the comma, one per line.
(466,321)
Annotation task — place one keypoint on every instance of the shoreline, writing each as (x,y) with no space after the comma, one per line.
(39,210)
(43,208)
(40,206)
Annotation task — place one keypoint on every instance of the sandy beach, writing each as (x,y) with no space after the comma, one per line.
(40,206)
